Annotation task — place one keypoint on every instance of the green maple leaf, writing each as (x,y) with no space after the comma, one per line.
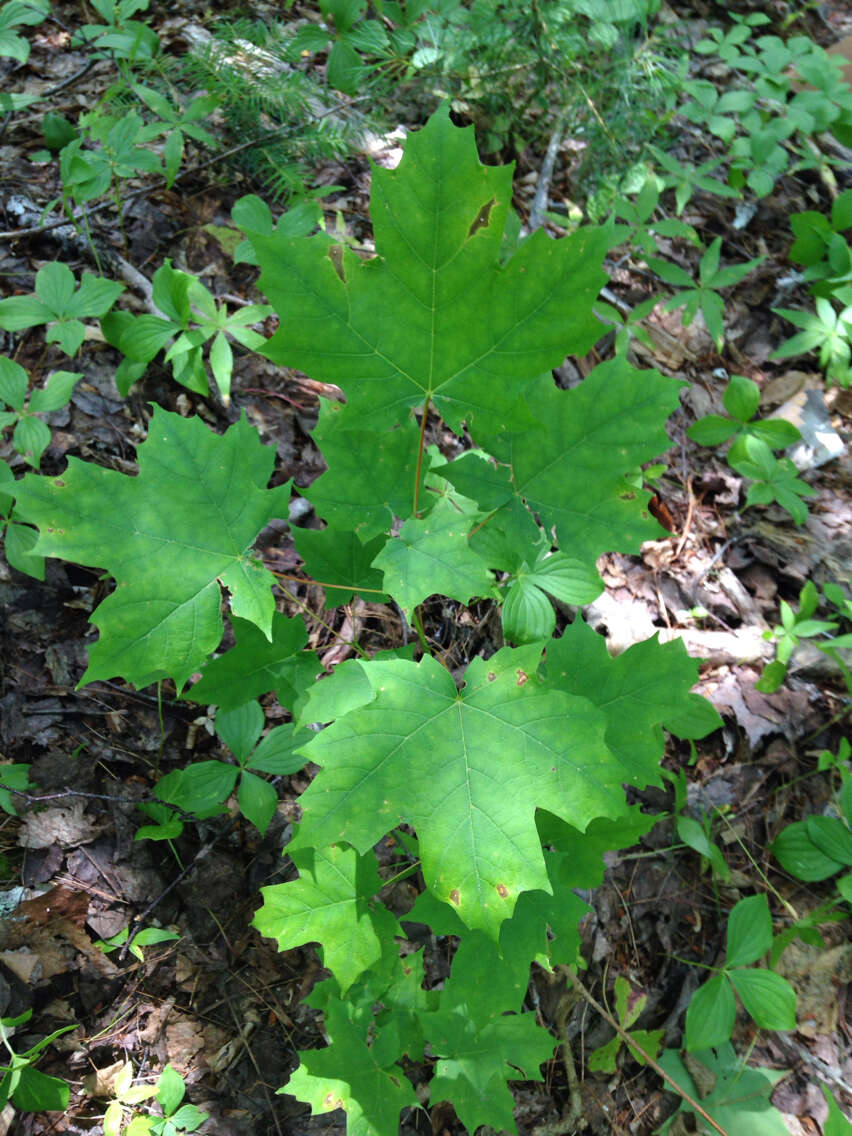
(434,316)
(476,1062)
(341,564)
(645,687)
(572,473)
(432,555)
(330,904)
(468,770)
(258,664)
(353,1075)
(344,496)
(172,537)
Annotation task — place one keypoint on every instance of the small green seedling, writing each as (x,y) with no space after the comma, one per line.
(19,539)
(57,304)
(796,625)
(190,317)
(697,837)
(704,294)
(636,225)
(203,787)
(821,246)
(767,997)
(177,1117)
(31,435)
(119,36)
(629,1004)
(126,1096)
(774,479)
(807,928)
(686,180)
(742,400)
(825,330)
(20,1082)
(147,937)
(176,122)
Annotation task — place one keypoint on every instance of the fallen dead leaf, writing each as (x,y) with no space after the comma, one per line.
(66,825)
(101,1083)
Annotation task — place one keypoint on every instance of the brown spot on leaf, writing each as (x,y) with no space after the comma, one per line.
(59,482)
(491,676)
(455,897)
(482,218)
(335,255)
(522,677)
(502,891)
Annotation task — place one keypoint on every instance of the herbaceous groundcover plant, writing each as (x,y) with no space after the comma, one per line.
(503,786)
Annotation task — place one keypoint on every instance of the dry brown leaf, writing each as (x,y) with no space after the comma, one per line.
(65,825)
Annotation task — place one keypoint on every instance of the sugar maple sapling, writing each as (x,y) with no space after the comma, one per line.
(511,776)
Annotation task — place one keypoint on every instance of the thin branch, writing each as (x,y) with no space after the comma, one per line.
(631,1041)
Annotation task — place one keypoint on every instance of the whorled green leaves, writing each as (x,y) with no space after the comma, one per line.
(172,538)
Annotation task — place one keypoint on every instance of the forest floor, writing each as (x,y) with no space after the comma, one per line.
(220,1003)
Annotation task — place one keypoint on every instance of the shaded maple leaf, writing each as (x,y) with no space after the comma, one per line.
(172,538)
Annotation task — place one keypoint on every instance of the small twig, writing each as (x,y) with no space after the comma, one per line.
(690,513)
(136,925)
(542,189)
(717,556)
(655,1065)
(64,794)
(70,80)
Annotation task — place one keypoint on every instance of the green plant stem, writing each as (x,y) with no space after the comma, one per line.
(417,620)
(349,642)
(162,722)
(323,584)
(655,1065)
(788,907)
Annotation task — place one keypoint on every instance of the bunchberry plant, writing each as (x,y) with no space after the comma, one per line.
(499,779)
